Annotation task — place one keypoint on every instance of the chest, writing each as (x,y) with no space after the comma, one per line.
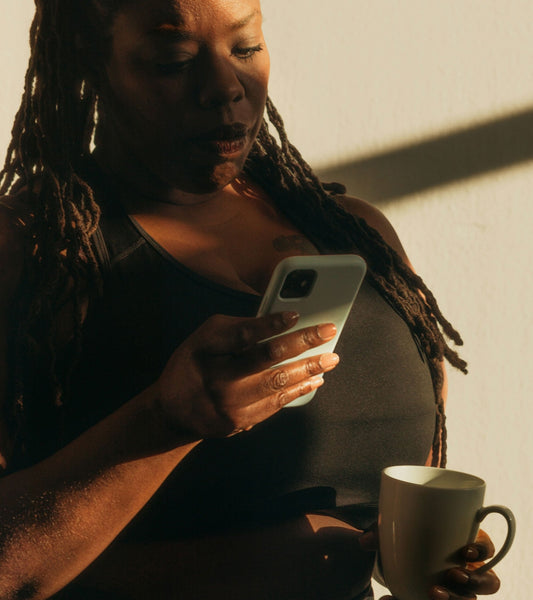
(238,248)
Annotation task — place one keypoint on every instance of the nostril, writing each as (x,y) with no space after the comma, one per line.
(218,96)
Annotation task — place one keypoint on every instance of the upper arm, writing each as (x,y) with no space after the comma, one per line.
(11,263)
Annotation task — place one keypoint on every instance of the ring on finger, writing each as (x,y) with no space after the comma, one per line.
(236,431)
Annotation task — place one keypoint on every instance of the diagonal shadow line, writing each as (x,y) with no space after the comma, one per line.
(438,160)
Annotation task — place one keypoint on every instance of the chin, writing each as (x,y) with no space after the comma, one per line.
(205,181)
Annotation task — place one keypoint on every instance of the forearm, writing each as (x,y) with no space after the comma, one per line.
(307,558)
(58,516)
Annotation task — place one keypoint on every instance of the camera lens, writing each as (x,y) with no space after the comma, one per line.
(298,283)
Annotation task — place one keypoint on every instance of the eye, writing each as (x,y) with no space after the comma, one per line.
(174,63)
(172,68)
(247,53)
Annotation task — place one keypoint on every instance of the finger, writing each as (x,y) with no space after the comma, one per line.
(261,410)
(221,335)
(464,580)
(273,381)
(283,348)
(480,550)
(441,593)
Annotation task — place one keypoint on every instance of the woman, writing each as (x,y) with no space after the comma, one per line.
(146,205)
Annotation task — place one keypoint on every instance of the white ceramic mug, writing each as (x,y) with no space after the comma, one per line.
(426,515)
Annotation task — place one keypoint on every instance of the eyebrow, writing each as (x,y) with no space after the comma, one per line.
(174,28)
(243,22)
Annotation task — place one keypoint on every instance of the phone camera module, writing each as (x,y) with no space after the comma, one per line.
(298,283)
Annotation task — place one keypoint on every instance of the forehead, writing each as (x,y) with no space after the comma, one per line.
(190,14)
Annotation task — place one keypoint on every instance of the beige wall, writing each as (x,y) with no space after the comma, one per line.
(355,78)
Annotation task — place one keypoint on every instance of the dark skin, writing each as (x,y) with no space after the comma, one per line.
(461,582)
(184,91)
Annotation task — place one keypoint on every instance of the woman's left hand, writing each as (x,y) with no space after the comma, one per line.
(462,583)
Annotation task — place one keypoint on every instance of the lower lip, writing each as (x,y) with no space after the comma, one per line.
(225,148)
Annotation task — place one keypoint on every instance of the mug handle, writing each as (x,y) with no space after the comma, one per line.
(511,530)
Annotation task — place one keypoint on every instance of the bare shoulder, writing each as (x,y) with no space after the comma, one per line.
(376,219)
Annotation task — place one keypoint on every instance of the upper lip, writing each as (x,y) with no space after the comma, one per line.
(222,133)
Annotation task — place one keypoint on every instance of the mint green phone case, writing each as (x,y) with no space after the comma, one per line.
(338,279)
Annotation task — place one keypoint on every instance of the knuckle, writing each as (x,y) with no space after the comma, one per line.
(277,321)
(281,399)
(274,351)
(214,322)
(279,379)
(305,387)
(312,367)
(243,336)
(310,337)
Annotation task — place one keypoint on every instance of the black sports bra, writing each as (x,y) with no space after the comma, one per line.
(376,409)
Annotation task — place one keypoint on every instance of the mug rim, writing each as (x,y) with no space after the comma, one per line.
(394,472)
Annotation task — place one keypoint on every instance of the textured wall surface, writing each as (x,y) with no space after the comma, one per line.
(394,97)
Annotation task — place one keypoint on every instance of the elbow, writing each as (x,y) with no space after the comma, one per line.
(27,590)
(16,583)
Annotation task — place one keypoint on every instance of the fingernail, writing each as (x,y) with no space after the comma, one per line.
(471,553)
(459,576)
(438,593)
(289,317)
(326,331)
(328,361)
(316,381)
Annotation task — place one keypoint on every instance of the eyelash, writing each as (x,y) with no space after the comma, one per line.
(173,68)
(244,54)
(247,53)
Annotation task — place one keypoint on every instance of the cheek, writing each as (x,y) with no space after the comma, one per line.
(146,106)
(257,83)
(263,73)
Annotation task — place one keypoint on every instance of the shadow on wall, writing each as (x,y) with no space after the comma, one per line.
(438,160)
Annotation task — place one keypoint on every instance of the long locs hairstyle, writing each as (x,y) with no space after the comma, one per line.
(52,134)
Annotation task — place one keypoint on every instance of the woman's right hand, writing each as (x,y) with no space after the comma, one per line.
(219,381)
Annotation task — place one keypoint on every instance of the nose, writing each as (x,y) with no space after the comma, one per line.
(218,83)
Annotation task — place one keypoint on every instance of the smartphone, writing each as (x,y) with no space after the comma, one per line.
(321,289)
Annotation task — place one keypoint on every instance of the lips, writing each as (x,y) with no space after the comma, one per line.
(229,133)
(225,140)
(227,147)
